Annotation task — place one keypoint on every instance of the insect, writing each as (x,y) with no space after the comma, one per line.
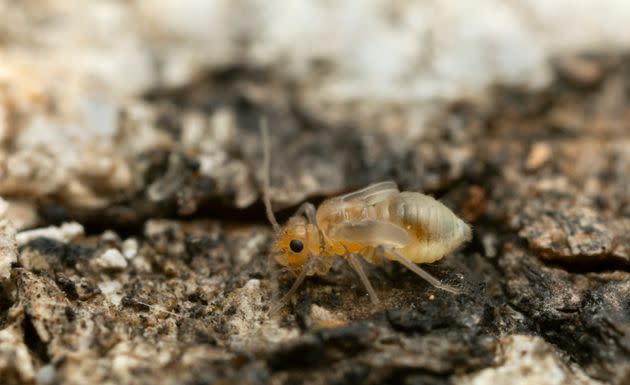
(375,223)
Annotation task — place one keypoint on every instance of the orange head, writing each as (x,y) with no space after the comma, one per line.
(297,242)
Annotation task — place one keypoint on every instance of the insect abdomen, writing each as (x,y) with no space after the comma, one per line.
(435,228)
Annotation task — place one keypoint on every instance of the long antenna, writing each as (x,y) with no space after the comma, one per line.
(264,132)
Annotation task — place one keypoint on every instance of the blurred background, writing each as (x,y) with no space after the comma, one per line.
(96,96)
(392,51)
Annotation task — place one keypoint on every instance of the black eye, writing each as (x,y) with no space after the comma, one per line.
(296,245)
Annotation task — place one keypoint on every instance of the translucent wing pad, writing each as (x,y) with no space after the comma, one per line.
(373,193)
(371,233)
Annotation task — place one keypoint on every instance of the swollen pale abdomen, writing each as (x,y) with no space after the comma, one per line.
(436,230)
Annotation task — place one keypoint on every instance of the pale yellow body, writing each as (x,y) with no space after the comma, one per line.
(374,222)
(378,217)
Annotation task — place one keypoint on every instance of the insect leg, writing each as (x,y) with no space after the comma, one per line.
(356,265)
(272,268)
(374,255)
(307,209)
(420,272)
(379,254)
(296,284)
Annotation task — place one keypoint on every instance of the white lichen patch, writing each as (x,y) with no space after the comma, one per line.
(249,246)
(4,207)
(111,290)
(528,360)
(125,361)
(250,325)
(64,233)
(21,213)
(15,358)
(8,249)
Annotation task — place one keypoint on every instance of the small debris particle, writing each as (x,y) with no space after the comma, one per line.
(111,259)
(475,204)
(130,248)
(323,318)
(46,375)
(539,154)
(489,242)
(110,236)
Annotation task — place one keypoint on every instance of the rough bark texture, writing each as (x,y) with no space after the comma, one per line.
(543,177)
(137,252)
